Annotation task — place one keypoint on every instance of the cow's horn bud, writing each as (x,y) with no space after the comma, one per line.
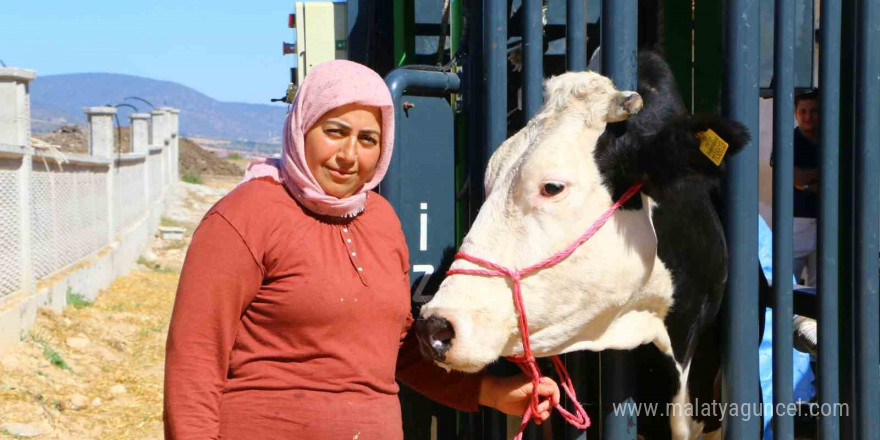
(625,105)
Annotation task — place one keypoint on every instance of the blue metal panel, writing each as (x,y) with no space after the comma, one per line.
(829,75)
(783,174)
(867,212)
(427,206)
(619,62)
(576,35)
(424,153)
(740,308)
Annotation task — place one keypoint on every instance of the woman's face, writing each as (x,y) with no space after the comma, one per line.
(343,147)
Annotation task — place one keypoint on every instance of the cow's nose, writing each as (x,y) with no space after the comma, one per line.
(435,336)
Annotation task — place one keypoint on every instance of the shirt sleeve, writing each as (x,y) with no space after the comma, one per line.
(453,389)
(220,277)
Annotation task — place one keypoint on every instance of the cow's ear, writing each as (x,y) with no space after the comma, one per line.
(691,148)
(698,144)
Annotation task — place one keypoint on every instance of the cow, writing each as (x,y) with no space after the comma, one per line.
(650,280)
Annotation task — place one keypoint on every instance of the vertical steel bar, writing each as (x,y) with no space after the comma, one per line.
(829,81)
(846,218)
(532,88)
(867,212)
(533,58)
(783,175)
(495,73)
(740,309)
(576,35)
(619,42)
(495,126)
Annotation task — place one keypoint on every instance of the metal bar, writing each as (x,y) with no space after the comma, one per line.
(576,35)
(829,77)
(533,58)
(740,309)
(867,210)
(495,73)
(413,82)
(619,41)
(846,223)
(783,199)
(495,125)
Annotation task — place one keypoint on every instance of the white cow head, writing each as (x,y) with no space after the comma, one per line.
(544,189)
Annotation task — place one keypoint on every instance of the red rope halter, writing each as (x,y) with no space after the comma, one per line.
(527,361)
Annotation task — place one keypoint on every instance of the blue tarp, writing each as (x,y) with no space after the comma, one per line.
(803,375)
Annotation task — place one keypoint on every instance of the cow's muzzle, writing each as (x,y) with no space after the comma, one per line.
(435,336)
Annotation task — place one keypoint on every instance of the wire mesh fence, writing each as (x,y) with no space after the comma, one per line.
(68,205)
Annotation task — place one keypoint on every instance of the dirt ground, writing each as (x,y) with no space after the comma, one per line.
(95,371)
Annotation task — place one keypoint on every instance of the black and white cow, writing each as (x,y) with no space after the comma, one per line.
(654,274)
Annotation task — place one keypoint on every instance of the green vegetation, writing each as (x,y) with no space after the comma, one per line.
(76,299)
(192,178)
(53,356)
(234,156)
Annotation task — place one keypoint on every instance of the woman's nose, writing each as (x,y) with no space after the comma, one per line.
(347,154)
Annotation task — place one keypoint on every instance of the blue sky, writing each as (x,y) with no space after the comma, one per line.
(229,50)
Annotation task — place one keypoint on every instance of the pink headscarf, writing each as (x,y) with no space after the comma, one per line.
(329,85)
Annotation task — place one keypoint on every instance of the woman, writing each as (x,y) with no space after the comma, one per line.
(293,304)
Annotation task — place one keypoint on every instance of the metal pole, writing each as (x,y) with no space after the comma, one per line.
(533,58)
(619,62)
(575,35)
(867,211)
(829,77)
(495,123)
(783,174)
(740,309)
(495,73)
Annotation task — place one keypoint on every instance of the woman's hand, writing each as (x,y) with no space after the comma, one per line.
(511,395)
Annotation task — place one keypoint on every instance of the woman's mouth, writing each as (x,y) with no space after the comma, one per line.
(341,175)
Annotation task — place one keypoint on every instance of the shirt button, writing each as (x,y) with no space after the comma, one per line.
(348,240)
(360,269)
(354,254)
(344,229)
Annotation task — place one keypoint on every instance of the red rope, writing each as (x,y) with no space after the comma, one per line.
(527,362)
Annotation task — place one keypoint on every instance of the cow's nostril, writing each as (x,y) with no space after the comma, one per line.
(435,336)
(441,338)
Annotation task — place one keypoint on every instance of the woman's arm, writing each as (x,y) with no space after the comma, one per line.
(219,279)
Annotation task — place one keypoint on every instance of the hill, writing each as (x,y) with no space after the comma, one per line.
(58,100)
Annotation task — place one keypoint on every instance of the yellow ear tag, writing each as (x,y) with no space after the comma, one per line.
(712,146)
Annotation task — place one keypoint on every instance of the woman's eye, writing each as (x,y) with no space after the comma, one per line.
(369,140)
(550,189)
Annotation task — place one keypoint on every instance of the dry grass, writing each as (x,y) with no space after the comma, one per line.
(126,330)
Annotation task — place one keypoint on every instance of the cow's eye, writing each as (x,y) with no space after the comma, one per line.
(550,189)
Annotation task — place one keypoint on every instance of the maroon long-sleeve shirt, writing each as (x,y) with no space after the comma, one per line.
(288,325)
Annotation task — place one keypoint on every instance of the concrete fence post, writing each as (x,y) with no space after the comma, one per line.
(102,144)
(140,144)
(140,135)
(174,125)
(15,113)
(15,130)
(157,139)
